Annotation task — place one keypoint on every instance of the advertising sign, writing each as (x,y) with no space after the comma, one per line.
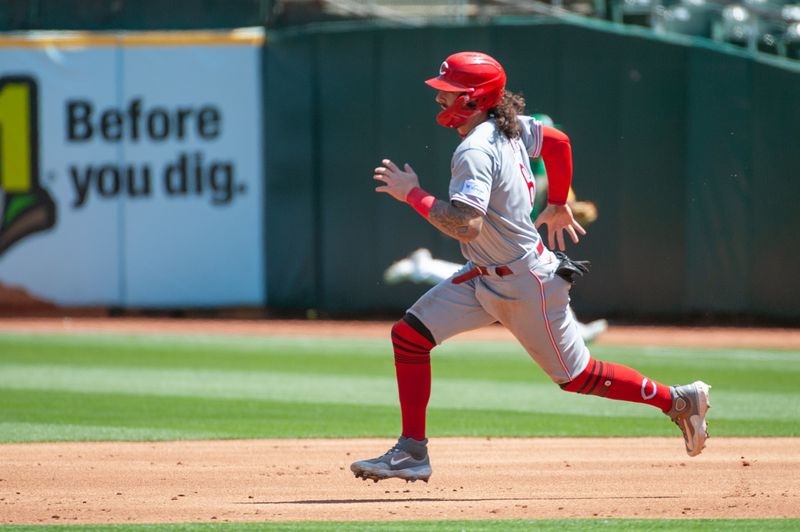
(131,169)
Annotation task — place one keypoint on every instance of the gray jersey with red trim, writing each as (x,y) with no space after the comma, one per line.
(492,174)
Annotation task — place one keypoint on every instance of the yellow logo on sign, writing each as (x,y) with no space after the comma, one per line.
(27,207)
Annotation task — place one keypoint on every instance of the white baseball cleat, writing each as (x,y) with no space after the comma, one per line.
(689,406)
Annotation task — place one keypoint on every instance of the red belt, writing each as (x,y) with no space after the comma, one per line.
(500,271)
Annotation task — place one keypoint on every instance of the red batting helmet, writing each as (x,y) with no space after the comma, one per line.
(480,77)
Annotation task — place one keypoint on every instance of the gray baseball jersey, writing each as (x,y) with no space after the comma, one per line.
(492,174)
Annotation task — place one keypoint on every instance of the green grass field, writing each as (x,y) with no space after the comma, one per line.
(114,387)
(105,387)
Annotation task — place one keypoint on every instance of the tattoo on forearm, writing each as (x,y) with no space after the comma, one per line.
(453,220)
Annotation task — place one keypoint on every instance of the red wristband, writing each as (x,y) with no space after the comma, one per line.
(421,201)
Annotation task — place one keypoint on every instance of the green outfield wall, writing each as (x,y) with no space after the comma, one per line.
(688,148)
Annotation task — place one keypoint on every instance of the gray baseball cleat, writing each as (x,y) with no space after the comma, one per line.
(689,406)
(407,460)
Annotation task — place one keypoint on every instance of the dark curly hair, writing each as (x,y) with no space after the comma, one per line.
(505,114)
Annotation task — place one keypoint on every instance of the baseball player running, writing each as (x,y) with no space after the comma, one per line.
(510,276)
(421,267)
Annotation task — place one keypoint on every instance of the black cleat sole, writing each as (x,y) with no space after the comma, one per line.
(363,475)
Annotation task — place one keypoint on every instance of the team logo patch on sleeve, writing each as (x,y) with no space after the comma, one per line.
(475,189)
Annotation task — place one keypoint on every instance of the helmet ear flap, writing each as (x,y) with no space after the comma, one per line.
(462,101)
(458,113)
(486,98)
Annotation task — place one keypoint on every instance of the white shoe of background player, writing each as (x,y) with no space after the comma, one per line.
(590,331)
(420,267)
(407,269)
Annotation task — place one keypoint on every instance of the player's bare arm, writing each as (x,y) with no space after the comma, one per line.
(456,220)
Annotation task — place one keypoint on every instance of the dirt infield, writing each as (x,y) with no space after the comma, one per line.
(287,480)
(279,480)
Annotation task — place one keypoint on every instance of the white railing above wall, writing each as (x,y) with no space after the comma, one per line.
(770,26)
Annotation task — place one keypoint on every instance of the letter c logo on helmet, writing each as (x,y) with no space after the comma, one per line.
(479,76)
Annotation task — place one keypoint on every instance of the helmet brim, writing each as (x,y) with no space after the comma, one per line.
(443,85)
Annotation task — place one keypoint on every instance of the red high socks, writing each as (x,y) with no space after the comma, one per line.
(619,382)
(412,361)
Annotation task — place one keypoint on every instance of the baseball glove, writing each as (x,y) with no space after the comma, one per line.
(569,269)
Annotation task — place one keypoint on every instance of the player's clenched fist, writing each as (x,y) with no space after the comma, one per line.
(397,183)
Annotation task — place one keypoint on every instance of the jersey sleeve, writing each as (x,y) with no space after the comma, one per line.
(471,182)
(557,155)
(531,134)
